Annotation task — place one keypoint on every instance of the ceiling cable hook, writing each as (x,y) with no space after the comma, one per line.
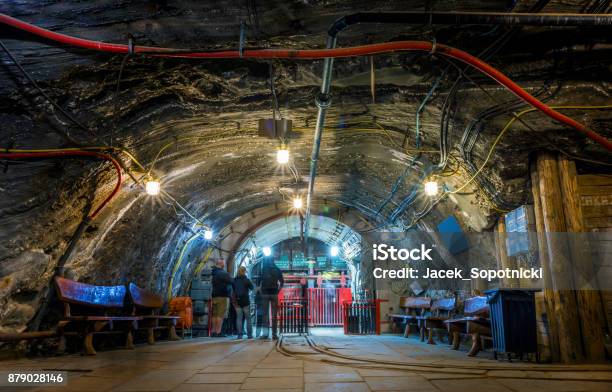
(130,45)
(241,41)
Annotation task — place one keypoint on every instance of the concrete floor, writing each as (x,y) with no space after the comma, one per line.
(230,365)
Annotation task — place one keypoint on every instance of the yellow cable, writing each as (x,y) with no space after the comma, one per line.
(178,263)
(168,145)
(203,261)
(507,126)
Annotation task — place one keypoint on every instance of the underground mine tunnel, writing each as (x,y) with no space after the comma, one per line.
(306,195)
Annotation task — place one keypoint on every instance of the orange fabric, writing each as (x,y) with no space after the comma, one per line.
(182,307)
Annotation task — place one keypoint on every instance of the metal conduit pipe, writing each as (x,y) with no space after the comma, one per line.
(323,99)
(484,18)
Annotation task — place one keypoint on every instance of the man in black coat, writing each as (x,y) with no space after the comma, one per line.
(271,283)
(242,301)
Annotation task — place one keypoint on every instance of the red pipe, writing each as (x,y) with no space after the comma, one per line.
(363,50)
(56,154)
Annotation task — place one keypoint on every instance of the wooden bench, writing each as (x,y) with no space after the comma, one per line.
(441,310)
(90,310)
(475,322)
(146,305)
(413,307)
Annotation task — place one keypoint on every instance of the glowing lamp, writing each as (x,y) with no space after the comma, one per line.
(298,203)
(334,251)
(267,251)
(152,187)
(208,235)
(282,156)
(431,188)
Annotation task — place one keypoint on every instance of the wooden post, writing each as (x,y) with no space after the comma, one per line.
(589,299)
(568,325)
(503,252)
(549,299)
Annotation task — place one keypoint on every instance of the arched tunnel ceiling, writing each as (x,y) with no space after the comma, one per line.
(322,228)
(219,169)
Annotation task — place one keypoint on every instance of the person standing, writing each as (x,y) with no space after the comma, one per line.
(222,284)
(242,303)
(271,283)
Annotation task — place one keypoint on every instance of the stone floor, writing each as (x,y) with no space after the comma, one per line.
(228,365)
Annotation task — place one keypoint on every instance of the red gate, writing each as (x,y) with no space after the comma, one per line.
(324,304)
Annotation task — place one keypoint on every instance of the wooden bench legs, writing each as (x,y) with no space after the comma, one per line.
(456,340)
(476,347)
(476,330)
(99,327)
(430,336)
(428,326)
(151,324)
(408,328)
(172,334)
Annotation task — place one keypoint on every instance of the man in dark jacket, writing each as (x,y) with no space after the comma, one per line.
(271,283)
(241,301)
(221,289)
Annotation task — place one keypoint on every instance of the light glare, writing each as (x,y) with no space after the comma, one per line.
(282,156)
(208,234)
(153,188)
(298,203)
(431,188)
(334,251)
(267,251)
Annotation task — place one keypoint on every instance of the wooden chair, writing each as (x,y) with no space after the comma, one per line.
(90,310)
(412,307)
(441,310)
(147,305)
(475,322)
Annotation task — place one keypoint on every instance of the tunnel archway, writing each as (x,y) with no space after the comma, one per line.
(331,222)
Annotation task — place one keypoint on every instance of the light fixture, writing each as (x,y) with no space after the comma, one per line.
(152,187)
(431,188)
(282,155)
(208,234)
(334,251)
(298,203)
(267,251)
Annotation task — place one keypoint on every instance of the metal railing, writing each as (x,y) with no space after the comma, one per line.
(361,317)
(293,316)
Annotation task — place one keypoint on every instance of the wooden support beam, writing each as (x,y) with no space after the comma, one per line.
(568,325)
(502,252)
(590,305)
(549,299)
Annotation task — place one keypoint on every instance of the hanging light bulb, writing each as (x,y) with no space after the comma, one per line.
(152,187)
(282,155)
(208,234)
(431,188)
(334,251)
(298,203)
(267,251)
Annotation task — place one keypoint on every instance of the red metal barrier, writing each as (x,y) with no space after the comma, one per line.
(293,316)
(361,317)
(324,304)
